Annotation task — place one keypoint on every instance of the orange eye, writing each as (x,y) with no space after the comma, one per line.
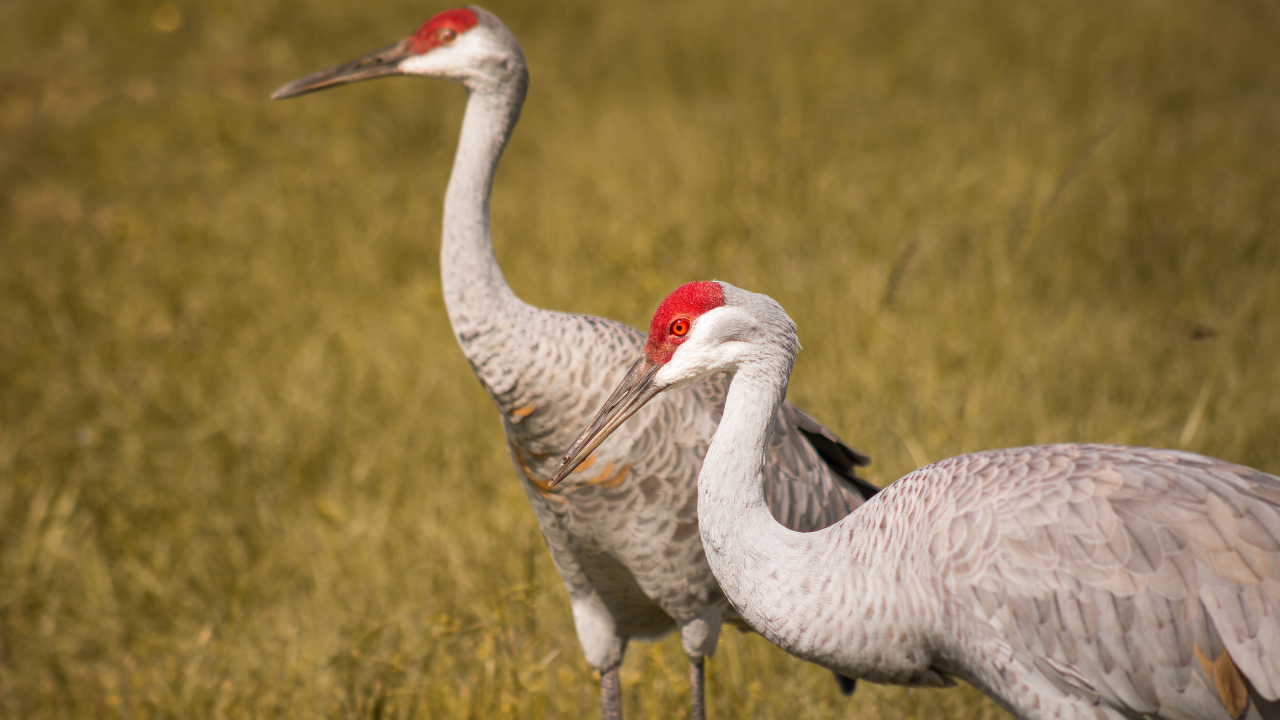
(446,35)
(680,327)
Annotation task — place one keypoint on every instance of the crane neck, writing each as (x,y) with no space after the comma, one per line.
(475,293)
(799,589)
(754,557)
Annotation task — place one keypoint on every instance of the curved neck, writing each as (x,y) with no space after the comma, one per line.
(758,561)
(795,589)
(475,293)
(731,480)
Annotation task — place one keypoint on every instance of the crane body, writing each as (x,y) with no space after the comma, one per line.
(1064,581)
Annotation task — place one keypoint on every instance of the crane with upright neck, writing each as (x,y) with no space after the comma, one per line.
(623,532)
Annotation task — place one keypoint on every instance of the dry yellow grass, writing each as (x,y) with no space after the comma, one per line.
(245,472)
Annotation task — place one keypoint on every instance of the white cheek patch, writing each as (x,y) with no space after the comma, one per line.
(702,353)
(450,60)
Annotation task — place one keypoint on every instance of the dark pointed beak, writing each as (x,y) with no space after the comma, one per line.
(378,64)
(636,389)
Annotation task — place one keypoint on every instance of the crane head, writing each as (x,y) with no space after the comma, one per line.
(701,329)
(468,45)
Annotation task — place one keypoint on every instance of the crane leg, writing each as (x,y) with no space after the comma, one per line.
(696,687)
(699,636)
(611,693)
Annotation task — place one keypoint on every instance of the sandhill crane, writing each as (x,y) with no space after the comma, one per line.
(624,532)
(1065,581)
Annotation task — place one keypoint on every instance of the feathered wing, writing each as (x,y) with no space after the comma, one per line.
(804,489)
(840,458)
(1148,580)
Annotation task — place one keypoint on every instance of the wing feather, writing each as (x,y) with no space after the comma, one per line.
(1117,566)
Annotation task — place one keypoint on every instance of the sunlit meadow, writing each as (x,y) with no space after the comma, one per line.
(245,471)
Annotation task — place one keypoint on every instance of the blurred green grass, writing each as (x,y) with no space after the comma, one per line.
(245,472)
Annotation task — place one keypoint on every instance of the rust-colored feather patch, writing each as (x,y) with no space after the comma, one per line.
(1228,681)
(606,479)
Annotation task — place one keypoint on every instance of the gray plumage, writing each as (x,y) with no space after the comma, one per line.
(1065,581)
(623,531)
(1142,580)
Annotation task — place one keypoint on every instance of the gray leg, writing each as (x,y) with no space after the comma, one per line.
(699,637)
(602,647)
(611,694)
(696,686)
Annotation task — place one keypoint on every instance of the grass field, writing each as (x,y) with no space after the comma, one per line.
(246,472)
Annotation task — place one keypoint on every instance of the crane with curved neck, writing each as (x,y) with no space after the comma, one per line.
(1065,581)
(623,532)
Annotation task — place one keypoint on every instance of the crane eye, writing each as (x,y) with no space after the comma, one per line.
(446,35)
(679,326)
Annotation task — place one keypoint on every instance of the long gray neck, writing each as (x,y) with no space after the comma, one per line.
(795,589)
(475,293)
(488,319)
(757,560)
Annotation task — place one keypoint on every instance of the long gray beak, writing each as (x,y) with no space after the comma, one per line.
(378,64)
(633,392)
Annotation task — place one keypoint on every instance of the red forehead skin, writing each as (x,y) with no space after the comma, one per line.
(689,301)
(426,39)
